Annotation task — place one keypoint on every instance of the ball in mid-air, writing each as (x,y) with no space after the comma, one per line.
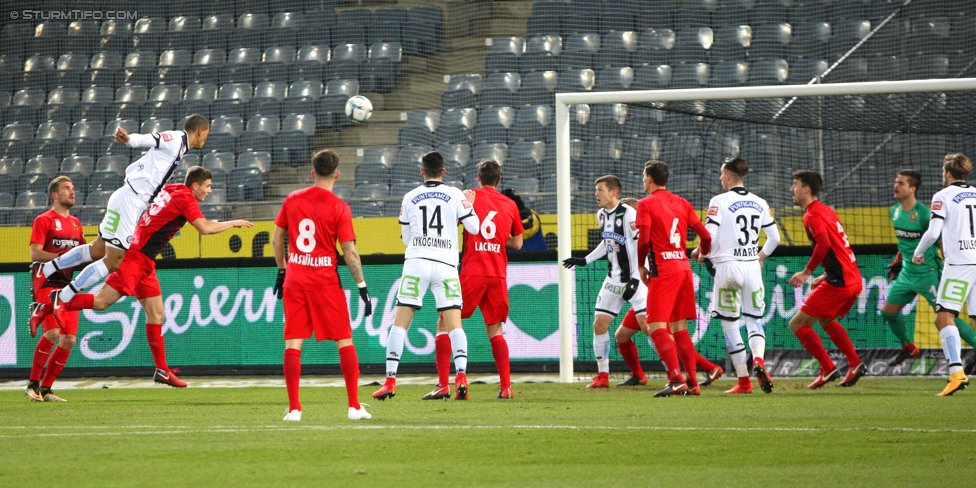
(359,108)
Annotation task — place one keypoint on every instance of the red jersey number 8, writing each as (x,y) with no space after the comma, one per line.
(306,236)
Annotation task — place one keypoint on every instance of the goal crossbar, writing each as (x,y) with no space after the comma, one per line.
(563,179)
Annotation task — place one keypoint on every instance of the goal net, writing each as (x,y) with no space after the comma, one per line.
(857,135)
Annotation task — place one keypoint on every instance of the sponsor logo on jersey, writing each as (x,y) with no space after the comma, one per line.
(712,211)
(429,195)
(466,204)
(57,224)
(633,225)
(937,205)
(166,137)
(745,204)
(908,234)
(963,196)
(64,243)
(912,216)
(613,236)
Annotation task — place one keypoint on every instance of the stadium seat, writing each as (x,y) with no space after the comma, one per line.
(462,91)
(693,75)
(414,134)
(500,90)
(346,62)
(221,163)
(382,66)
(423,30)
(618,16)
(845,33)
(614,79)
(42,165)
(455,126)
(521,185)
(769,72)
(731,42)
(387,25)
(805,70)
(342,191)
(493,125)
(374,172)
(732,12)
(504,55)
(457,153)
(382,155)
(33,199)
(730,73)
(580,51)
(105,180)
(116,163)
(541,54)
(617,49)
(245,184)
(332,105)
(652,77)
(259,160)
(694,13)
(70,70)
(771,41)
(408,171)
(251,29)
(692,45)
(310,62)
(495,151)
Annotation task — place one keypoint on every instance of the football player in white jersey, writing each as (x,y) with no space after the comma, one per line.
(143,180)
(734,221)
(429,217)
(618,223)
(954,219)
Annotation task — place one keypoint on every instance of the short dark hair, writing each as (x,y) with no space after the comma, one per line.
(736,166)
(325,162)
(914,178)
(658,171)
(490,172)
(958,165)
(809,179)
(195,122)
(197,174)
(612,182)
(55,184)
(432,164)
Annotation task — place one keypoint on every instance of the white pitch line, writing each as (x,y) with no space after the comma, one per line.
(170,430)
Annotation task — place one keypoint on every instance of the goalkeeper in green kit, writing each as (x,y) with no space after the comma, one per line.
(910,219)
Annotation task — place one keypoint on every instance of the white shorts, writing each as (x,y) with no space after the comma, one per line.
(122,215)
(611,298)
(738,290)
(957,286)
(421,274)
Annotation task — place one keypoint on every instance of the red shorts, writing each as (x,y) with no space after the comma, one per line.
(488,292)
(136,277)
(671,297)
(70,328)
(828,302)
(321,311)
(630,321)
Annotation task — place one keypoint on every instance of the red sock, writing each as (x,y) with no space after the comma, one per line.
(154,336)
(54,367)
(499,349)
(41,354)
(838,335)
(293,372)
(812,343)
(442,358)
(665,348)
(349,363)
(702,363)
(687,353)
(81,301)
(629,352)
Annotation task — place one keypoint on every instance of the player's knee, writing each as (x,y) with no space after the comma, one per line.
(623,334)
(52,335)
(67,341)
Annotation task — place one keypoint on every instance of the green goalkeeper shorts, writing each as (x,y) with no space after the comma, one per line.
(904,289)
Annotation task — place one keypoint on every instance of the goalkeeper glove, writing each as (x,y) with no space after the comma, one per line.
(570,262)
(630,289)
(364,296)
(894,269)
(279,283)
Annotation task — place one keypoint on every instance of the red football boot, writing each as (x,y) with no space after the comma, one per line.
(37,277)
(601,380)
(765,381)
(440,392)
(506,393)
(824,377)
(168,378)
(712,375)
(387,391)
(854,374)
(742,387)
(461,384)
(38,312)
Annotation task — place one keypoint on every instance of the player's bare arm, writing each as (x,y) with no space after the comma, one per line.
(355,265)
(514,242)
(798,279)
(37,253)
(208,227)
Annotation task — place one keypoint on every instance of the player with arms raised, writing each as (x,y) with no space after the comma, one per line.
(144,179)
(53,233)
(314,219)
(484,272)
(953,218)
(734,221)
(618,223)
(663,219)
(834,292)
(429,217)
(910,219)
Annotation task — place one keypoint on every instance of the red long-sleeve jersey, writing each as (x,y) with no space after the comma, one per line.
(663,219)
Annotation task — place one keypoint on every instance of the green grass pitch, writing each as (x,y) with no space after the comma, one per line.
(882,432)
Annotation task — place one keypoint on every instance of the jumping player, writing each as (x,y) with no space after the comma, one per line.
(953,218)
(834,292)
(910,219)
(618,223)
(144,179)
(175,205)
(734,221)
(484,272)
(663,219)
(429,217)
(54,233)
(314,219)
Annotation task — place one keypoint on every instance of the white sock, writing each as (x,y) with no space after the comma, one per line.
(91,275)
(952,348)
(77,256)
(737,350)
(459,346)
(757,337)
(601,350)
(394,350)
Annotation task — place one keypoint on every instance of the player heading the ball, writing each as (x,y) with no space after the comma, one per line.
(429,217)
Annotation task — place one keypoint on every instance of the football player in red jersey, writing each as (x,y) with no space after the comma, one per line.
(314,219)
(663,219)
(835,291)
(54,233)
(175,205)
(484,272)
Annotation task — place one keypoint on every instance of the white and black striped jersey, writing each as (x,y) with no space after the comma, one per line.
(735,219)
(429,217)
(619,231)
(954,213)
(147,175)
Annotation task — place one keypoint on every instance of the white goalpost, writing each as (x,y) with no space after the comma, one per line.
(567,326)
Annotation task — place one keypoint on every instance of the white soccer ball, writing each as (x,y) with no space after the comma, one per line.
(359,108)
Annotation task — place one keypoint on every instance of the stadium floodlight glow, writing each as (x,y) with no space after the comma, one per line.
(567,326)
